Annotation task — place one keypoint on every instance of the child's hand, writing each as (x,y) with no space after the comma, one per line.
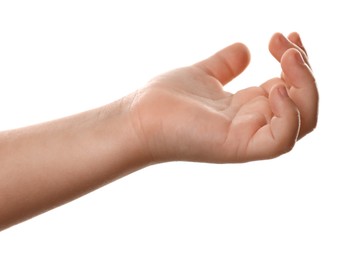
(186,115)
(181,115)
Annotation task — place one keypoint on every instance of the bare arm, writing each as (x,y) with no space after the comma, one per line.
(46,165)
(182,115)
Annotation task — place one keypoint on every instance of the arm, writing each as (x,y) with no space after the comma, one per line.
(182,115)
(46,165)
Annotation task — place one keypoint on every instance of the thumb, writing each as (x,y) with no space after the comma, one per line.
(226,64)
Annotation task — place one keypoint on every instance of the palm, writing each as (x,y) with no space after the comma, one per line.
(205,118)
(197,120)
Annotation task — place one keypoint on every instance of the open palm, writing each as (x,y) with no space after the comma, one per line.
(186,115)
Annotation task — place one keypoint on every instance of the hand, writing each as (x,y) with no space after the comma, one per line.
(182,115)
(186,115)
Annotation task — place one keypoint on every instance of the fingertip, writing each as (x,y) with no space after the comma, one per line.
(278,94)
(293,55)
(241,51)
(280,101)
(282,91)
(275,41)
(277,45)
(277,37)
(279,89)
(296,69)
(227,63)
(295,38)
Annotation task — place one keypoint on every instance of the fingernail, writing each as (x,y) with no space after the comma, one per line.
(282,91)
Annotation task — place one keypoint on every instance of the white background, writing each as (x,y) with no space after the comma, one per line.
(62,57)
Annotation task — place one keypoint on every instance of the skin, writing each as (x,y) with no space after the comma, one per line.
(184,114)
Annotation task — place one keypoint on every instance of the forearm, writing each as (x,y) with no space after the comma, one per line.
(46,165)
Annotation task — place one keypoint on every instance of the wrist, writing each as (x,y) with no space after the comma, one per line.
(146,121)
(120,135)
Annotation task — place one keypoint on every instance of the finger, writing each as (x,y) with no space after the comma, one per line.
(280,135)
(269,84)
(226,64)
(279,44)
(295,38)
(303,89)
